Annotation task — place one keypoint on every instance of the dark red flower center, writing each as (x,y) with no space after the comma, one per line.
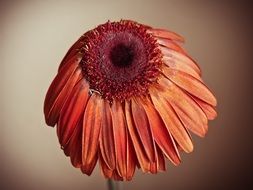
(122,55)
(120,59)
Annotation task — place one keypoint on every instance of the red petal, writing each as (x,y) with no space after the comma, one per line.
(161,135)
(120,138)
(59,82)
(106,137)
(74,147)
(91,129)
(59,90)
(172,122)
(72,111)
(143,129)
(162,33)
(180,58)
(73,51)
(192,85)
(139,150)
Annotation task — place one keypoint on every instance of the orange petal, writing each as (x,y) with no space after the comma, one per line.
(120,138)
(143,129)
(180,58)
(188,111)
(189,122)
(87,168)
(160,160)
(91,129)
(139,150)
(57,95)
(171,45)
(207,108)
(154,165)
(162,33)
(72,111)
(161,135)
(178,65)
(159,165)
(191,85)
(106,171)
(106,137)
(131,159)
(172,122)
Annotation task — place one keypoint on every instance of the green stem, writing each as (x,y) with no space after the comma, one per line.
(113,185)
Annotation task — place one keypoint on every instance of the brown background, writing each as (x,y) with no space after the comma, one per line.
(35,35)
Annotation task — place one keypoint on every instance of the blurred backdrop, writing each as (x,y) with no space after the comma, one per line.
(34,37)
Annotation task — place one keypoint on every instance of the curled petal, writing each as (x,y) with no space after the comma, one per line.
(60,89)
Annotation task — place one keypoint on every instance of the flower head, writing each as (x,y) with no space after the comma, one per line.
(127,95)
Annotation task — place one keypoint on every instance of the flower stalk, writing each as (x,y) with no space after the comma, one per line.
(113,185)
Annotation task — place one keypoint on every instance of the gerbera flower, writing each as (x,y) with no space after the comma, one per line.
(127,95)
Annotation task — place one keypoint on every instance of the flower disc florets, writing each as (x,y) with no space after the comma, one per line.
(120,59)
